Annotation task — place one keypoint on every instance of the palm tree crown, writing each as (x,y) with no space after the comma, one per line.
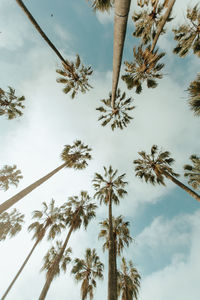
(10,223)
(87,270)
(194,93)
(102,5)
(75,77)
(128,281)
(151,166)
(119,116)
(193,172)
(11,105)
(188,34)
(9,175)
(145,67)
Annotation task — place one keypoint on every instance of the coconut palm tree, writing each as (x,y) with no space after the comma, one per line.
(10,223)
(9,175)
(188,34)
(118,117)
(156,166)
(128,281)
(109,188)
(48,219)
(144,68)
(88,270)
(193,172)
(74,156)
(75,213)
(75,78)
(102,5)
(194,93)
(10,104)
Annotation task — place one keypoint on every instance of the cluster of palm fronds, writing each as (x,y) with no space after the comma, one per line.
(10,104)
(10,224)
(102,5)
(194,93)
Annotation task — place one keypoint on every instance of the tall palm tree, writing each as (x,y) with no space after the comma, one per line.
(10,223)
(108,190)
(10,104)
(144,68)
(128,281)
(74,156)
(88,270)
(156,166)
(75,213)
(119,116)
(194,93)
(49,218)
(9,175)
(193,172)
(188,34)
(102,5)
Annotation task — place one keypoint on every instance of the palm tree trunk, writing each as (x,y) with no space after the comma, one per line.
(181,185)
(20,270)
(8,203)
(41,32)
(120,23)
(162,24)
(50,276)
(112,284)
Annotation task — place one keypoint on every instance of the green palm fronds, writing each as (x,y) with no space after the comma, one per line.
(144,68)
(10,224)
(102,5)
(188,34)
(9,175)
(75,77)
(11,105)
(118,117)
(193,172)
(194,93)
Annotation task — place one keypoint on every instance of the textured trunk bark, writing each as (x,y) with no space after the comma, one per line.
(50,276)
(20,270)
(112,287)
(162,24)
(181,185)
(120,23)
(115,255)
(8,203)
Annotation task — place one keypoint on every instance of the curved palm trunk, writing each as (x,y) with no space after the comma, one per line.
(8,203)
(120,23)
(20,270)
(112,283)
(162,24)
(181,185)
(50,275)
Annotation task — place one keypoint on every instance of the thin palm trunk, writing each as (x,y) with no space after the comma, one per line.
(181,185)
(112,283)
(11,201)
(20,270)
(120,25)
(162,24)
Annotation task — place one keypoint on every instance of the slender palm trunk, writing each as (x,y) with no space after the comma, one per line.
(50,275)
(21,269)
(162,24)
(112,284)
(181,185)
(120,23)
(115,255)
(8,203)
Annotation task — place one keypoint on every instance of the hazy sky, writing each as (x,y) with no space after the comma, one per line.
(164,221)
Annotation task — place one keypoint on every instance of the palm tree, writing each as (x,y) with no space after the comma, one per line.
(102,5)
(75,78)
(49,218)
(194,93)
(10,104)
(88,270)
(75,213)
(188,34)
(155,169)
(144,68)
(119,115)
(108,190)
(10,223)
(51,256)
(9,175)
(128,281)
(74,156)
(193,172)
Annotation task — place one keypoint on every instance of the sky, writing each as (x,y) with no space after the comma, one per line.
(164,221)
